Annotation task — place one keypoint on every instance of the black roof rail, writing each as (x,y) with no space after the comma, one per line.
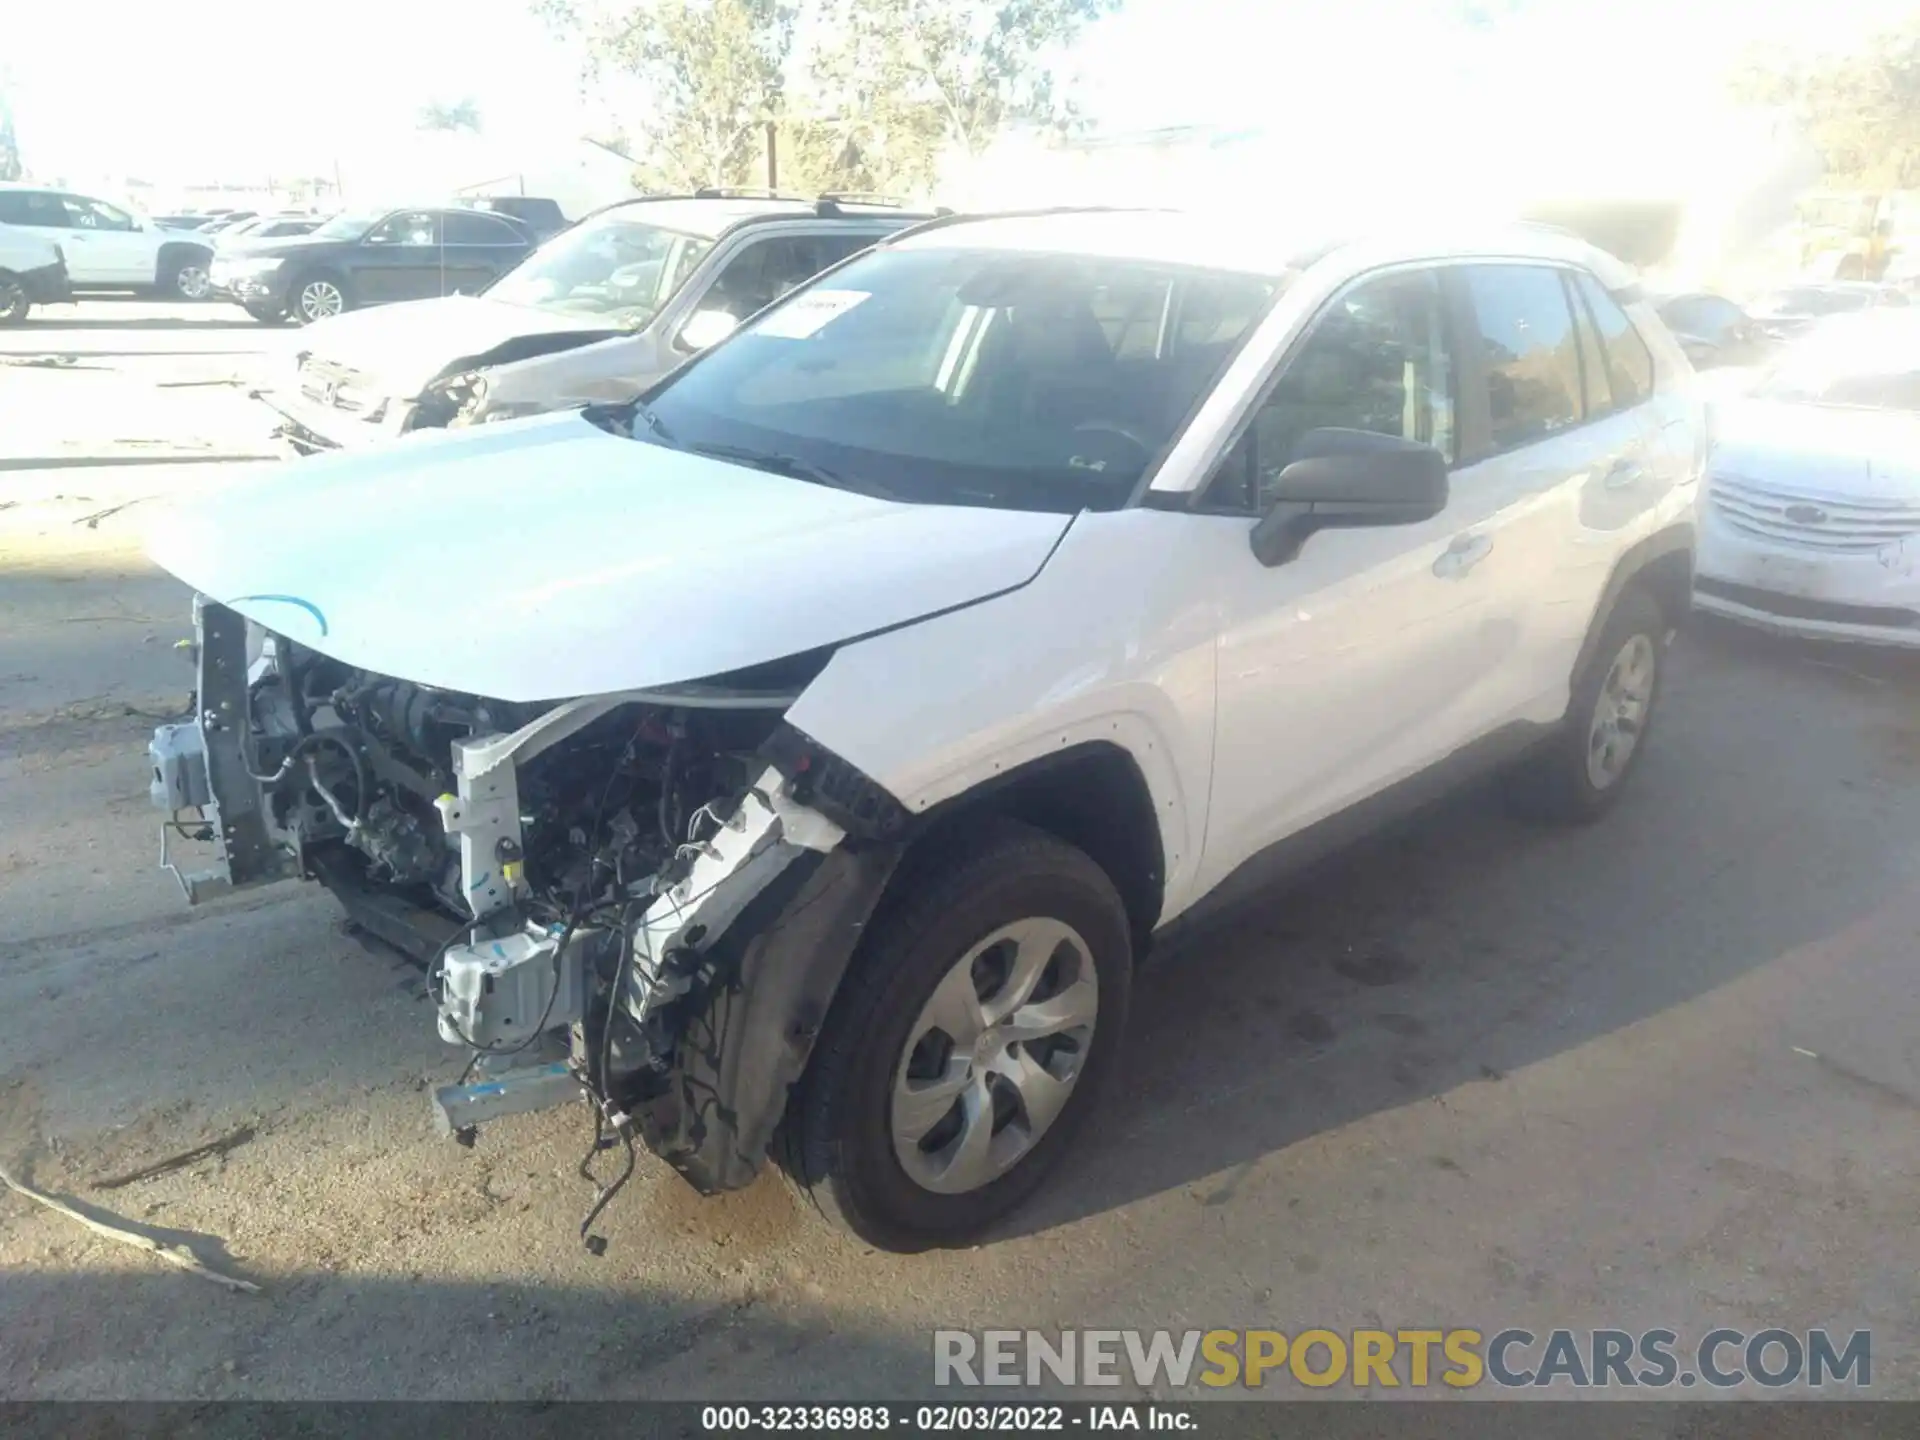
(745,192)
(943,217)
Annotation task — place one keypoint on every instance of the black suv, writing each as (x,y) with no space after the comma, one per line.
(369,258)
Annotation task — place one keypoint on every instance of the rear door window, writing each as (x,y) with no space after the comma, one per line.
(33,207)
(1531,349)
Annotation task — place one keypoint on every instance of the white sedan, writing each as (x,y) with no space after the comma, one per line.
(1812,525)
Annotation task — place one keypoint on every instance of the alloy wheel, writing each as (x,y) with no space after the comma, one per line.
(190,281)
(994,1055)
(319,299)
(1620,714)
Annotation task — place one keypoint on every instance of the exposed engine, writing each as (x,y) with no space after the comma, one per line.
(584,880)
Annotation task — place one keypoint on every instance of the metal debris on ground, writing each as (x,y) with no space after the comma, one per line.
(224,1145)
(176,1255)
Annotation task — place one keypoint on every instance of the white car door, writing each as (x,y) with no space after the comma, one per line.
(1375,652)
(1564,468)
(105,245)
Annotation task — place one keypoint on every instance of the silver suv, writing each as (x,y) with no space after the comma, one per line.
(596,313)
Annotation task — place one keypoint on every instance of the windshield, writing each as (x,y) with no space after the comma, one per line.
(969,377)
(615,266)
(350,226)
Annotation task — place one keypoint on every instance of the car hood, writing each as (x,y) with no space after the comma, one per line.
(408,346)
(601,370)
(1819,450)
(546,558)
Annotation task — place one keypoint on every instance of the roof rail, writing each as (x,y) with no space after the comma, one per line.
(860,197)
(944,217)
(744,192)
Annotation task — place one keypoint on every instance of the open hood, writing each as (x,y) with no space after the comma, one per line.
(545,558)
(405,347)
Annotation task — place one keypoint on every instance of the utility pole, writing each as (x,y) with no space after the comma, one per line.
(773,154)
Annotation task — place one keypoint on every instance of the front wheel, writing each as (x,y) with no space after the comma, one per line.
(1578,775)
(968,1044)
(14,304)
(315,297)
(189,279)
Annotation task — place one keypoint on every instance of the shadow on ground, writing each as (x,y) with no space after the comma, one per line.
(1453,949)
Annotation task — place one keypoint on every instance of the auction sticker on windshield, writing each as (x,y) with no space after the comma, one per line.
(805,314)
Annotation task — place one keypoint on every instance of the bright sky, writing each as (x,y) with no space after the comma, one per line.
(251,86)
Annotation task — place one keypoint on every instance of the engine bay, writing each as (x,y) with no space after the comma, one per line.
(586,883)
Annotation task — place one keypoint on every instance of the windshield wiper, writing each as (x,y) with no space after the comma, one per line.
(791,466)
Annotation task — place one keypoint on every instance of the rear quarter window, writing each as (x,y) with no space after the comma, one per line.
(1629,361)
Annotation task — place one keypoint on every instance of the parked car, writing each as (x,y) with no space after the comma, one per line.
(594,314)
(370,258)
(1789,312)
(107,247)
(33,271)
(543,217)
(268,227)
(814,743)
(1812,525)
(1712,330)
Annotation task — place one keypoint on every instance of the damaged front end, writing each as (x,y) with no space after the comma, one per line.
(648,897)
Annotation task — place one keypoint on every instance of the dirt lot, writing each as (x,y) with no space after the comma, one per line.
(1665,1072)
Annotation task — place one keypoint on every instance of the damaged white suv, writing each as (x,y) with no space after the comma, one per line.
(796,760)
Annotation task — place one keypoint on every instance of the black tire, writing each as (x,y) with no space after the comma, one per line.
(14,304)
(836,1142)
(298,309)
(1556,783)
(184,271)
(266,314)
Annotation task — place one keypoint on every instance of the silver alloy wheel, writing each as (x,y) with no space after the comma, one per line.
(1620,714)
(190,281)
(994,1055)
(319,299)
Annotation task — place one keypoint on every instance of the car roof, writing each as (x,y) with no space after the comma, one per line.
(712,217)
(1254,243)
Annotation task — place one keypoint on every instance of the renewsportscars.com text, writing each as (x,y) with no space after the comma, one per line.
(1515,1358)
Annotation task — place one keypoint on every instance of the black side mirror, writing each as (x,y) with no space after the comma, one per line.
(1346,478)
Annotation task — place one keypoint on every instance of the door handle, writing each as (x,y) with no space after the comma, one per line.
(1462,555)
(1623,473)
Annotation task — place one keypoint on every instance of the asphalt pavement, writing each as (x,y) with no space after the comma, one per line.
(1663,1072)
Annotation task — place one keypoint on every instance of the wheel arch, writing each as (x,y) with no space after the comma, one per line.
(1662,565)
(175,253)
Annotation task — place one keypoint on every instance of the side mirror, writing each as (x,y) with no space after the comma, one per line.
(1348,478)
(707,327)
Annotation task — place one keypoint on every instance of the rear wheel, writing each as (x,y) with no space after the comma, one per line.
(1579,774)
(968,1044)
(315,297)
(14,303)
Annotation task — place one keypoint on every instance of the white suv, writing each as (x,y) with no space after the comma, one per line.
(108,248)
(807,750)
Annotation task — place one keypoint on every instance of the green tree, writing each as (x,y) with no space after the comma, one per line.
(454,115)
(1860,109)
(884,88)
(713,73)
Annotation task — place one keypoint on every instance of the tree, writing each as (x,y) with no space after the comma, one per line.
(10,166)
(1860,110)
(919,78)
(883,90)
(713,73)
(457,115)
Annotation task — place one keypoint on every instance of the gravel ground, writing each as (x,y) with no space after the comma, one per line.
(1664,1072)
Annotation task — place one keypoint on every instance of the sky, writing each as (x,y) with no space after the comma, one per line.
(251,87)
